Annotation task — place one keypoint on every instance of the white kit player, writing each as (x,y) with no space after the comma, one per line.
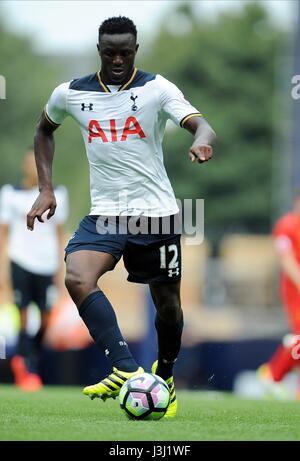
(122,113)
(36,260)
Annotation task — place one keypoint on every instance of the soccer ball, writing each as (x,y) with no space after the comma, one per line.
(144,396)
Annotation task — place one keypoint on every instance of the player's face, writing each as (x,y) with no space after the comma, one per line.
(117,53)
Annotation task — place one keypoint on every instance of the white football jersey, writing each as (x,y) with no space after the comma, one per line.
(123,131)
(38,251)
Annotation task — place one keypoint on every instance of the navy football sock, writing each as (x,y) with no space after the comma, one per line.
(169,342)
(100,319)
(25,348)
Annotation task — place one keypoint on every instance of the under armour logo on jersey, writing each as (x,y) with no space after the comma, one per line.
(172,272)
(134,106)
(87,106)
(107,352)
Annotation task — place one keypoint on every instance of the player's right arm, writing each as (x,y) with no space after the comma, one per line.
(44,152)
(44,146)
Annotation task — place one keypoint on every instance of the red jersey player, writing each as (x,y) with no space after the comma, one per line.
(286,234)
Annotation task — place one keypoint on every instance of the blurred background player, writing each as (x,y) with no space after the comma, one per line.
(286,234)
(35,265)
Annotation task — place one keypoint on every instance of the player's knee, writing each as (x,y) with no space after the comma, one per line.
(71,282)
(170,309)
(77,286)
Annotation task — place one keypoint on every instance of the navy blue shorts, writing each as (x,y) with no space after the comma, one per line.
(29,287)
(148,257)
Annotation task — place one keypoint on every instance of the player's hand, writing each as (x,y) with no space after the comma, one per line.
(200,153)
(45,201)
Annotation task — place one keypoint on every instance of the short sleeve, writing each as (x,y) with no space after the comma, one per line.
(56,107)
(62,200)
(173,102)
(6,209)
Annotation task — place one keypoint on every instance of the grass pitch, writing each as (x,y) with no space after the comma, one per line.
(63,413)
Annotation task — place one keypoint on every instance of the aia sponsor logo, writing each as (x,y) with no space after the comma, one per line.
(131,127)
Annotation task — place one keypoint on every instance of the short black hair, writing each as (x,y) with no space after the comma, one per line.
(117,25)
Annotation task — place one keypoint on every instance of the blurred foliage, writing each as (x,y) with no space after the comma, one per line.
(226,69)
(30,79)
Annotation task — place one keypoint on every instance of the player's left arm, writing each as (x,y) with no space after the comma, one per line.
(204,136)
(176,107)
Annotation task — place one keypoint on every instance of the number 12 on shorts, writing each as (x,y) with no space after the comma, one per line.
(172,267)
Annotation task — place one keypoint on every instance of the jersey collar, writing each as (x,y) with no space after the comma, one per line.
(123,87)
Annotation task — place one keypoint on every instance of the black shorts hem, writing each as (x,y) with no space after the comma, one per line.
(91,248)
(147,280)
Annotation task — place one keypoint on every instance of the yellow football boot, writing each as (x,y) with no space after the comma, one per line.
(110,386)
(172,408)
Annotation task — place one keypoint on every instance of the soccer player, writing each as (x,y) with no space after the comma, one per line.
(122,112)
(36,262)
(286,234)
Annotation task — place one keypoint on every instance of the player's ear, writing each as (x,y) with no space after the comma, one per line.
(98,48)
(136,47)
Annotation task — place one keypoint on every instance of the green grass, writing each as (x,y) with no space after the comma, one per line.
(63,413)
